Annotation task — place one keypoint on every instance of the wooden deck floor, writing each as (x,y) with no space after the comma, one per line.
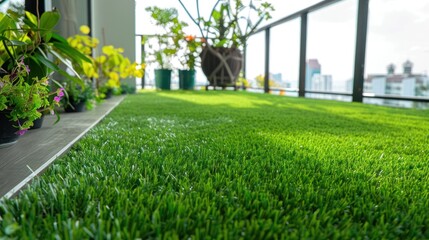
(38,148)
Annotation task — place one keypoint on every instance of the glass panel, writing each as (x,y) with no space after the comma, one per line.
(331,49)
(284,8)
(284,56)
(255,60)
(397,51)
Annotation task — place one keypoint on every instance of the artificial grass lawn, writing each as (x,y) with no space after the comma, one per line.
(233,165)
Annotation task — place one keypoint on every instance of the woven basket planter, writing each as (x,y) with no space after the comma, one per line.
(221,65)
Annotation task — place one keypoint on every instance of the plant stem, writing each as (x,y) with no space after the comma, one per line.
(192,18)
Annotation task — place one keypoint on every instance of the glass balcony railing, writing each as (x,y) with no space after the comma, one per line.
(338,49)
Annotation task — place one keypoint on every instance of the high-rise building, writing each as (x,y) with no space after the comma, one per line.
(405,84)
(276,77)
(321,82)
(312,67)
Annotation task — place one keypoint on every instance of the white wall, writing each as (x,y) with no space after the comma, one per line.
(113,23)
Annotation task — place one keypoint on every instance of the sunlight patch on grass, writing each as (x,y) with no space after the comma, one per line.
(214,98)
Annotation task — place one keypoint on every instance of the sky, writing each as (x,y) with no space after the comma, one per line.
(397,31)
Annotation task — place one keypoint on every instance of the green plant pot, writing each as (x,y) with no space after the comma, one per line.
(187,79)
(8,135)
(163,79)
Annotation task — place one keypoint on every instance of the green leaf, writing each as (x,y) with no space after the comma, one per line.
(47,36)
(6,24)
(221,43)
(31,17)
(58,38)
(54,67)
(39,57)
(49,20)
(70,52)
(216,15)
(3,38)
(17,43)
(64,61)
(29,23)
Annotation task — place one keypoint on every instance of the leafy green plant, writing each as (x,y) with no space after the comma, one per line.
(26,67)
(112,66)
(169,42)
(127,89)
(243,82)
(108,68)
(231,22)
(31,38)
(76,93)
(26,99)
(191,52)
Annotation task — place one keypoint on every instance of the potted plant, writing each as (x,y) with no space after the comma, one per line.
(80,97)
(167,44)
(242,82)
(22,101)
(107,69)
(187,76)
(25,86)
(111,67)
(225,32)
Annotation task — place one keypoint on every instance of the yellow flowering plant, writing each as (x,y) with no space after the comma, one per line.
(85,44)
(112,67)
(108,68)
(82,92)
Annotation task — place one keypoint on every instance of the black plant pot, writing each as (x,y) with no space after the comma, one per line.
(109,93)
(8,135)
(76,107)
(38,123)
